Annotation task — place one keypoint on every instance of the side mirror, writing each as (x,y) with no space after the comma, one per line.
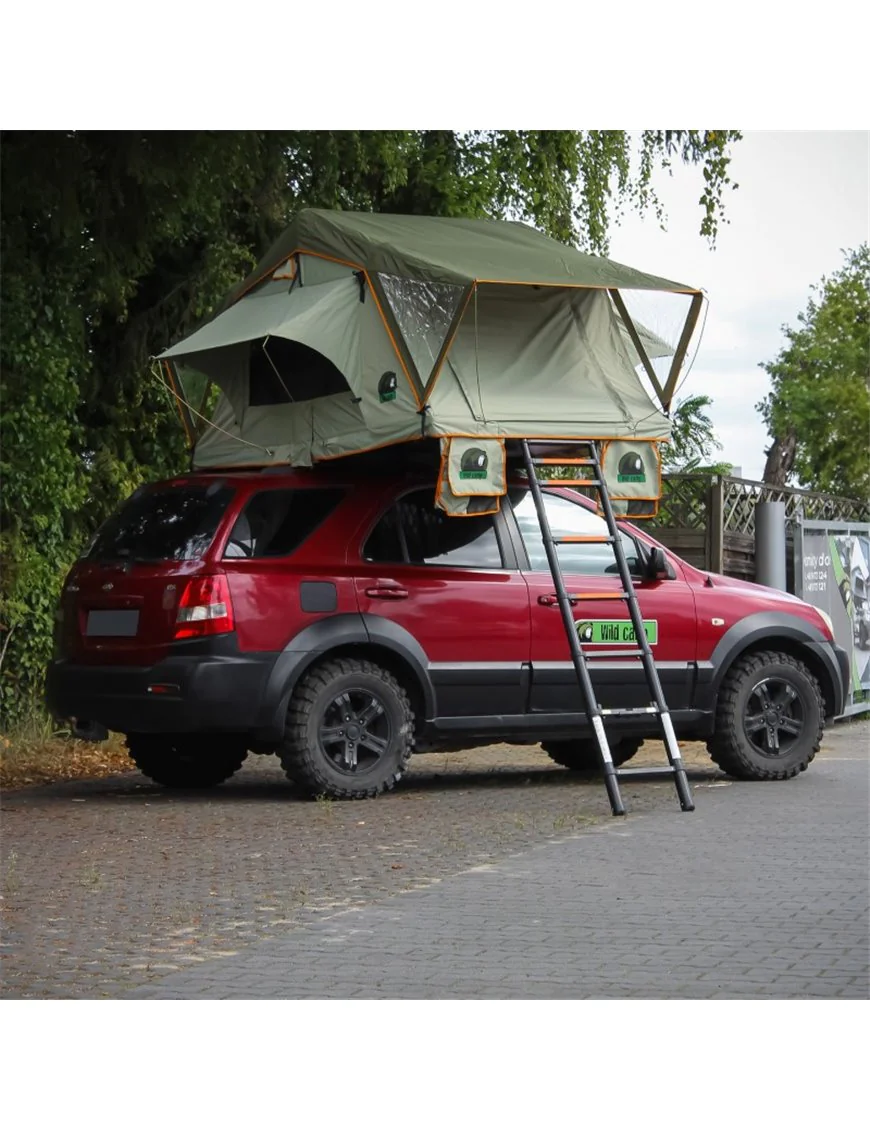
(657,566)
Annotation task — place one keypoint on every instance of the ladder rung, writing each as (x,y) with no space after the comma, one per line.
(628,653)
(542,442)
(598,596)
(566,462)
(569,482)
(592,539)
(637,771)
(629,710)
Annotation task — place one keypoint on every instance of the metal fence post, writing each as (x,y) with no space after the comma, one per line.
(770,544)
(715,525)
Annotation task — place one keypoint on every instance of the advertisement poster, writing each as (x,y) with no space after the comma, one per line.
(833,573)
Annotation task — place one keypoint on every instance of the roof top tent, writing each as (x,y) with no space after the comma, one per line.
(358,330)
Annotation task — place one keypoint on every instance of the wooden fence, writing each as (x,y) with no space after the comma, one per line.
(710,519)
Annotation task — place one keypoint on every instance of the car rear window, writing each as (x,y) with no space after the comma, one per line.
(163,524)
(274,523)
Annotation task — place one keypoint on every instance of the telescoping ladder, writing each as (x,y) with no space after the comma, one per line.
(643,652)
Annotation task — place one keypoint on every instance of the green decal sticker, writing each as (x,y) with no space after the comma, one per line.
(387,387)
(614,631)
(631,469)
(474,464)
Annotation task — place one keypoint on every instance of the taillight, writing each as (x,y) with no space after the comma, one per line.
(205,608)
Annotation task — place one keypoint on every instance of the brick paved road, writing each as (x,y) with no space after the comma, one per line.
(117,890)
(108,884)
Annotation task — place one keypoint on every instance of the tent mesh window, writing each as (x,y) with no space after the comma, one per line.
(282,371)
(424,312)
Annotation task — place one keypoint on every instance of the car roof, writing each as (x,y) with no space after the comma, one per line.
(349,473)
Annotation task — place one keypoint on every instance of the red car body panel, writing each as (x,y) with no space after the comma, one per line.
(479,640)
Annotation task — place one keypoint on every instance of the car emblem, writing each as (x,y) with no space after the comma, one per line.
(108,585)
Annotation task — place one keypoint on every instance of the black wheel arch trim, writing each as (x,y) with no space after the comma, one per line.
(384,633)
(763,629)
(350,630)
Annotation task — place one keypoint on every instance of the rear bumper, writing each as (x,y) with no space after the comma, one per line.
(209,689)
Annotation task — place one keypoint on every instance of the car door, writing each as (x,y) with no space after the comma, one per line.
(454,586)
(602,620)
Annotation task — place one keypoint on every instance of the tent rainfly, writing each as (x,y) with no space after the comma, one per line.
(359,330)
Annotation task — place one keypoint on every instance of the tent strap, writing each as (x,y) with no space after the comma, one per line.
(173,384)
(155,372)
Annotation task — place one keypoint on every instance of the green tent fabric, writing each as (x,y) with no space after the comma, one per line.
(449,250)
(542,363)
(358,331)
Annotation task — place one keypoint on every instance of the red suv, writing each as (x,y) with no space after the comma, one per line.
(340,620)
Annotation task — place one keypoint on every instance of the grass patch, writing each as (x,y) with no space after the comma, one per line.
(36,753)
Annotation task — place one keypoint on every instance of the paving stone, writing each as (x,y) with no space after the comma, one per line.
(249,892)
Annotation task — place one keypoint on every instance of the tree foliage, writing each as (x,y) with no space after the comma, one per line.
(818,409)
(693,440)
(114,244)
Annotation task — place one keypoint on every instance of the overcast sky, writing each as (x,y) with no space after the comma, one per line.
(802,197)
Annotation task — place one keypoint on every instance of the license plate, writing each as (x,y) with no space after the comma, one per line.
(112,622)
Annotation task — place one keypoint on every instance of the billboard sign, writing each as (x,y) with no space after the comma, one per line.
(832,572)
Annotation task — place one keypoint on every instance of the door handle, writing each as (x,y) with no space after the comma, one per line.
(551,599)
(387,592)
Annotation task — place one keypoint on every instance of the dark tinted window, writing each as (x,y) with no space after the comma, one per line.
(566,518)
(275,523)
(414,530)
(169,524)
(281,371)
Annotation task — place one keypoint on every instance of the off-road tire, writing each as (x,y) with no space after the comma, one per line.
(321,768)
(186,761)
(581,754)
(735,748)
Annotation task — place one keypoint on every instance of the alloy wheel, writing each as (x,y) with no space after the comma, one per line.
(773,718)
(355,730)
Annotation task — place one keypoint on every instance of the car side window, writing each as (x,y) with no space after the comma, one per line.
(566,518)
(276,522)
(415,531)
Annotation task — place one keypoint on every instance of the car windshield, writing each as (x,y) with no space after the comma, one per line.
(164,524)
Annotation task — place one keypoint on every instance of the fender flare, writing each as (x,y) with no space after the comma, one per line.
(328,634)
(387,634)
(759,628)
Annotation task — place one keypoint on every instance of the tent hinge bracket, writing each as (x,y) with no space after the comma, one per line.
(421,412)
(361,279)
